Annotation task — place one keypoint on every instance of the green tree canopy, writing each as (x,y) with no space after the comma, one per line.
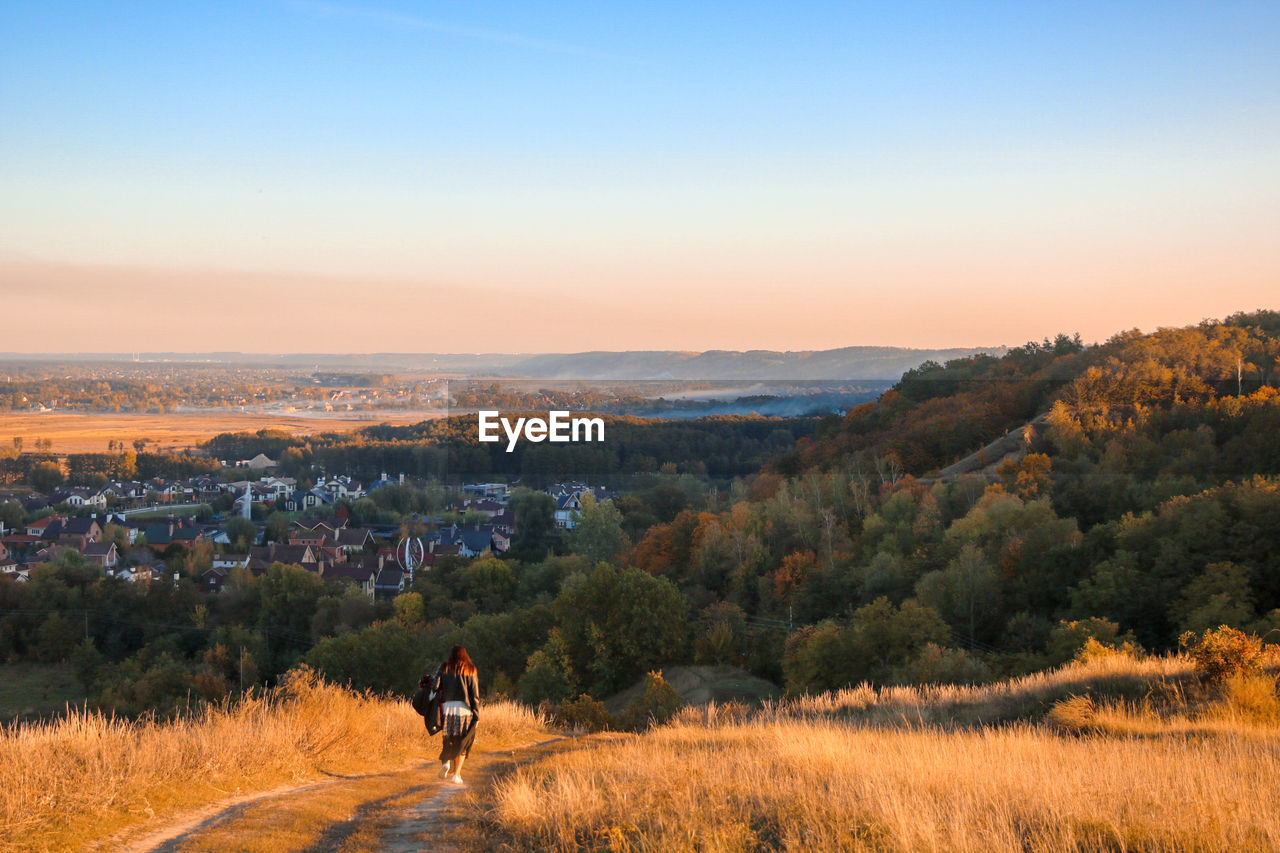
(620,623)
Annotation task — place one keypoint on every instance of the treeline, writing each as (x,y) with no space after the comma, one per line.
(43,471)
(147,395)
(448,449)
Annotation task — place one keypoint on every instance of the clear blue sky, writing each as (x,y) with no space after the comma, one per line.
(714,172)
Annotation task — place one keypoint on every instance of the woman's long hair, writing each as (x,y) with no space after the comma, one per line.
(459,662)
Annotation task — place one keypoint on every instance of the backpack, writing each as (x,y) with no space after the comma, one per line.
(427,703)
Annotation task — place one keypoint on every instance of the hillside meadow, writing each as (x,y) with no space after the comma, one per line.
(1110,754)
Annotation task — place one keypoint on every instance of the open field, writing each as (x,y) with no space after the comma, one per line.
(77,432)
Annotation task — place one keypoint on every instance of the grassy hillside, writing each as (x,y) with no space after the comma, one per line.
(1178,765)
(81,778)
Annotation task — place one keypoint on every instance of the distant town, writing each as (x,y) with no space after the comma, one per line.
(210,525)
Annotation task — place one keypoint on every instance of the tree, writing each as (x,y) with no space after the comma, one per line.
(383,657)
(548,674)
(408,608)
(12,515)
(45,477)
(56,638)
(242,532)
(1029,477)
(127,465)
(278,525)
(535,517)
(287,600)
(877,641)
(966,593)
(1220,595)
(619,624)
(292,461)
(489,582)
(501,643)
(597,533)
(656,704)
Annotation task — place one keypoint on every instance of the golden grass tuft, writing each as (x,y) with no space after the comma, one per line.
(1074,714)
(66,782)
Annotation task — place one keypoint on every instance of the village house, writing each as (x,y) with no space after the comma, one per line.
(340,488)
(231,561)
(300,501)
(80,532)
(213,579)
(42,525)
(388,584)
(103,554)
(81,497)
(362,572)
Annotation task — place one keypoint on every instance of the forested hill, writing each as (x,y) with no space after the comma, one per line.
(1142,404)
(1143,502)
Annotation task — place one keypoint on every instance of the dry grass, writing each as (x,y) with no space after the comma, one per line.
(1026,698)
(1160,773)
(65,783)
(825,786)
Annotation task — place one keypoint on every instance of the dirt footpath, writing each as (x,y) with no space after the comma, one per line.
(398,811)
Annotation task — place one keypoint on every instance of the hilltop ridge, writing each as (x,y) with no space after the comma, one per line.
(854,362)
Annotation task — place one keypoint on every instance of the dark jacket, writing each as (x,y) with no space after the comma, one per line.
(460,688)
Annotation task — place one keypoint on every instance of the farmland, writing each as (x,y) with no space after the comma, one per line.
(76,432)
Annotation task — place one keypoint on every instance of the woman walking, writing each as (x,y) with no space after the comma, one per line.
(459,690)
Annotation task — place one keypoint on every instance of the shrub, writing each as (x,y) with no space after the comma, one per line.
(584,714)
(655,705)
(1094,650)
(1068,639)
(1225,652)
(937,665)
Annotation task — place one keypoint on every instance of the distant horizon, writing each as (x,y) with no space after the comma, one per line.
(144,354)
